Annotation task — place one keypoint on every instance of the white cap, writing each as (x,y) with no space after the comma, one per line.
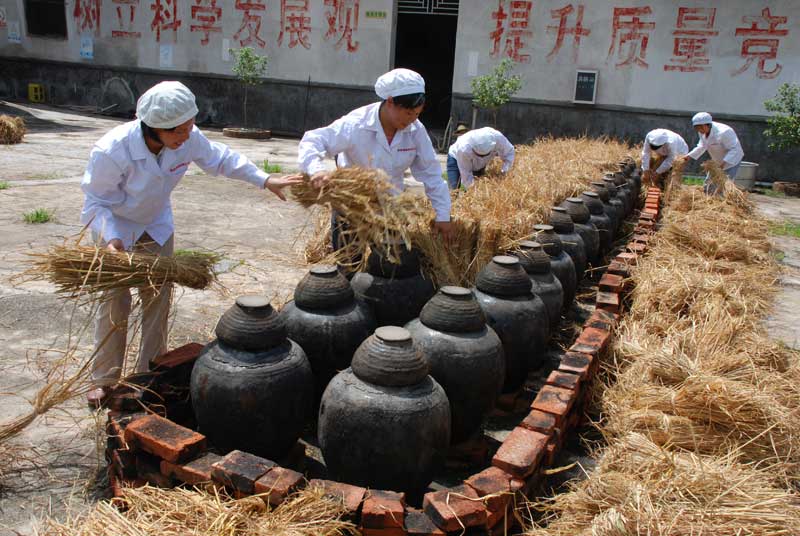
(399,82)
(166,105)
(658,137)
(482,140)
(701,118)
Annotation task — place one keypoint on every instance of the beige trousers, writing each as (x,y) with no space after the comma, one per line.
(111,322)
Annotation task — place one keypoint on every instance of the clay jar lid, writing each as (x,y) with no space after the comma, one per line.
(389,358)
(453,309)
(599,187)
(323,287)
(611,186)
(576,209)
(251,325)
(593,202)
(533,258)
(547,237)
(408,264)
(561,221)
(504,277)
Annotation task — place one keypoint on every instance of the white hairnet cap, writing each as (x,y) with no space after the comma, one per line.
(482,140)
(701,118)
(166,105)
(658,136)
(399,82)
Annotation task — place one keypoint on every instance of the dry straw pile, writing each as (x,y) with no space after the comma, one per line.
(12,129)
(491,217)
(181,512)
(78,271)
(702,411)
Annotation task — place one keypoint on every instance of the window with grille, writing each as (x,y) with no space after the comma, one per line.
(428,7)
(46,18)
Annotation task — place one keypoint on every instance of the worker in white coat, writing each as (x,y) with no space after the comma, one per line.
(722,145)
(665,143)
(472,151)
(386,135)
(130,175)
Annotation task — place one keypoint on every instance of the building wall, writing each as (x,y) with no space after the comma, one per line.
(330,46)
(638,67)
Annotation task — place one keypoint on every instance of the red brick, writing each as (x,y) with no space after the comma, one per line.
(498,487)
(240,470)
(193,472)
(148,467)
(595,338)
(539,421)
(554,400)
(551,451)
(564,380)
(165,439)
(643,238)
(350,495)
(612,283)
(277,484)
(383,510)
(619,268)
(602,320)
(608,302)
(115,483)
(182,355)
(521,452)
(578,363)
(396,531)
(419,524)
(636,247)
(451,511)
(627,257)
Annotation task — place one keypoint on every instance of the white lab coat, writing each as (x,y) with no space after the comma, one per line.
(358,140)
(674,147)
(128,188)
(469,162)
(722,145)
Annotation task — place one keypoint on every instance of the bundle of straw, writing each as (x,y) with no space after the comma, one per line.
(180,512)
(371,214)
(78,270)
(12,129)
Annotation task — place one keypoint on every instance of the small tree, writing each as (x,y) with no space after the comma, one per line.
(784,127)
(249,68)
(493,90)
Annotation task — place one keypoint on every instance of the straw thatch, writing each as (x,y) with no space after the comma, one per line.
(491,217)
(78,271)
(712,405)
(12,129)
(180,512)
(642,488)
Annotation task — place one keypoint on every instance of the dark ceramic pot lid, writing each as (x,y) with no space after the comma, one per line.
(504,277)
(251,325)
(324,287)
(453,310)
(389,358)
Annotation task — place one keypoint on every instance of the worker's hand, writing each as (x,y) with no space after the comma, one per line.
(115,244)
(277,183)
(320,179)
(445,229)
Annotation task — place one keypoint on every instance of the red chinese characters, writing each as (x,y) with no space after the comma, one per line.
(342,17)
(165,17)
(563,30)
(514,26)
(692,30)
(87,15)
(630,36)
(208,16)
(762,43)
(296,22)
(126,14)
(247,34)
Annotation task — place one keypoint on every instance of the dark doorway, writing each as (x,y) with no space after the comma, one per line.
(426,43)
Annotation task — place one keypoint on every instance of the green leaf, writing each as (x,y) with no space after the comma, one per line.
(495,89)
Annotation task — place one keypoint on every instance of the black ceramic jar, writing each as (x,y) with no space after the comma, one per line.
(598,217)
(581,217)
(545,285)
(560,262)
(384,423)
(570,239)
(252,388)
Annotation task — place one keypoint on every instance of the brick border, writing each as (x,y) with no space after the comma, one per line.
(143,447)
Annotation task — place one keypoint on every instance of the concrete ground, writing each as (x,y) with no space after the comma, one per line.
(261,237)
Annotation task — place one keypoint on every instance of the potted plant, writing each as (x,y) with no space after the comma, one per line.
(493,90)
(249,69)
